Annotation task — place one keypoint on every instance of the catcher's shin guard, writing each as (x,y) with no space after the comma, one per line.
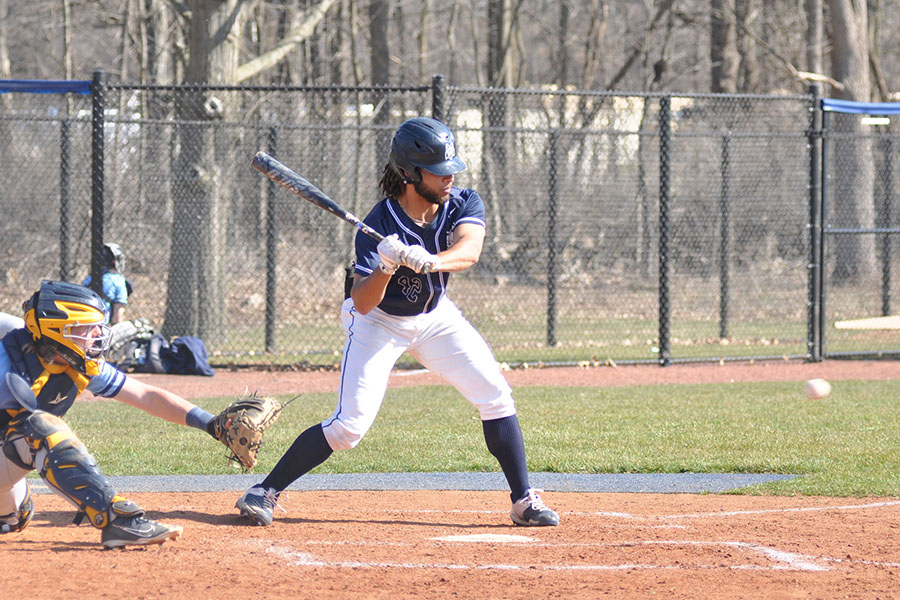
(20,519)
(66,466)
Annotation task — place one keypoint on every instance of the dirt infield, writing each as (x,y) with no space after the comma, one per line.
(461,544)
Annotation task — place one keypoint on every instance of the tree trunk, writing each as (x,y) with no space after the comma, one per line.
(853,204)
(67,49)
(723,47)
(814,35)
(422,41)
(745,12)
(196,296)
(380,60)
(5,65)
(499,74)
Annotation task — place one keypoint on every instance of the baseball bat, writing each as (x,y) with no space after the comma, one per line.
(284,176)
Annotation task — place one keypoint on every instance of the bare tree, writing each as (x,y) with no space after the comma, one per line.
(501,23)
(380,73)
(723,47)
(852,191)
(814,35)
(4,36)
(745,17)
(638,49)
(196,297)
(596,33)
(311,18)
(880,88)
(156,45)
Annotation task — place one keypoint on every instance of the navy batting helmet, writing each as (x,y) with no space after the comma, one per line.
(423,143)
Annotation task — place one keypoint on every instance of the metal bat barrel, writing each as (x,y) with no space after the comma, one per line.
(299,185)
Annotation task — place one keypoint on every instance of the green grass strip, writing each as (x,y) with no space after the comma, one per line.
(845,445)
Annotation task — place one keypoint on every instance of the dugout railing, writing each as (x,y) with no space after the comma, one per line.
(621,227)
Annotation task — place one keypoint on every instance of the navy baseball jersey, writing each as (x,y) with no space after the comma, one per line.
(409,293)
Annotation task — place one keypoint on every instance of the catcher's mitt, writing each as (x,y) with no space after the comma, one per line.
(243,424)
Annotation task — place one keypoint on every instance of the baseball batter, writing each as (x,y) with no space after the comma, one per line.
(398,303)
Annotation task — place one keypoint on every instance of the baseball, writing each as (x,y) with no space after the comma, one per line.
(817,388)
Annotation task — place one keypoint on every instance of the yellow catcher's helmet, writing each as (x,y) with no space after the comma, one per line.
(68,320)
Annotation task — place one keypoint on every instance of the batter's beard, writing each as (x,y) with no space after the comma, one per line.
(429,194)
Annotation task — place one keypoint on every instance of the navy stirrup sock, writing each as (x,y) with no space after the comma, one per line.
(504,441)
(308,451)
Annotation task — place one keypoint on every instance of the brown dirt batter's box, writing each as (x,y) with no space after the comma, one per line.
(432,544)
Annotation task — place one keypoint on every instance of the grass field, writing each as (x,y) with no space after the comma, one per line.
(844,445)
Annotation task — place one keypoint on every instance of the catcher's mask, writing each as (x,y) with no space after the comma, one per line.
(423,143)
(113,257)
(69,321)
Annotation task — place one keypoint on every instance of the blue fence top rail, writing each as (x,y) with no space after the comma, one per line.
(861,108)
(34,86)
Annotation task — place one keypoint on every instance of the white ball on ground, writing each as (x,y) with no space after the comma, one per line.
(817,389)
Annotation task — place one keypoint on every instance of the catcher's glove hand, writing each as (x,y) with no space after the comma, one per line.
(243,424)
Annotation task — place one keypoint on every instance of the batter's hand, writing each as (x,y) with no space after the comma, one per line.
(391,251)
(420,260)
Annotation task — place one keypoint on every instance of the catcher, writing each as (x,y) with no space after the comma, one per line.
(45,363)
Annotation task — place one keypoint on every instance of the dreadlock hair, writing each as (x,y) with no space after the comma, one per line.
(392,184)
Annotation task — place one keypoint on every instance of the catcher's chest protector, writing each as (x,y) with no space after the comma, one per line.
(58,391)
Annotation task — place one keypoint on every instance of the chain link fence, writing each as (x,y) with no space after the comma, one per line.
(638,228)
(620,227)
(860,226)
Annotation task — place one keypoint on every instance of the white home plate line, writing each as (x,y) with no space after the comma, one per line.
(783,561)
(481,538)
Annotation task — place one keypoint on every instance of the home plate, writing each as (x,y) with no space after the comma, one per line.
(494,538)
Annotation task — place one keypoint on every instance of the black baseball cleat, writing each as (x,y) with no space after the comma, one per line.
(137,531)
(258,503)
(530,511)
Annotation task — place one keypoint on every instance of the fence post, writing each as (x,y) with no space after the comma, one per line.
(271,246)
(665,116)
(552,209)
(816,201)
(437,98)
(884,215)
(98,105)
(65,219)
(725,238)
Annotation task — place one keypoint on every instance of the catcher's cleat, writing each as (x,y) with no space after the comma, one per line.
(19,520)
(530,510)
(138,531)
(258,503)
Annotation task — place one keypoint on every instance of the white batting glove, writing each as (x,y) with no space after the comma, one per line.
(420,260)
(390,251)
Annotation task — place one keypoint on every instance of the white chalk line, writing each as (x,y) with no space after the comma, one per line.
(737,513)
(398,373)
(538,544)
(782,561)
